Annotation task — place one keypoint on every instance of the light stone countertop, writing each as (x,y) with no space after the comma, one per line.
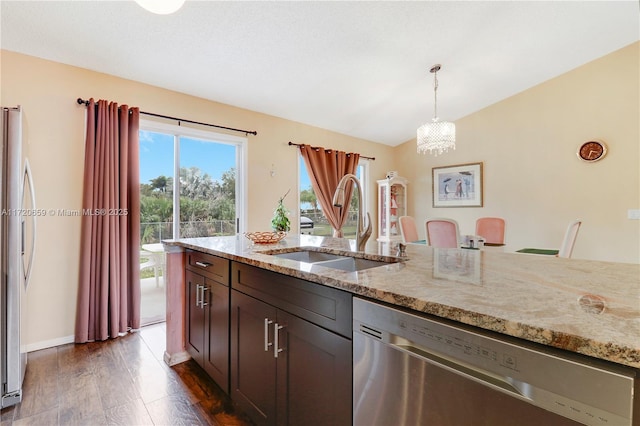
(583,306)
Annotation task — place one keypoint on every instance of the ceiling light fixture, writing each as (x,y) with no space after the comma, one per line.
(161,7)
(438,136)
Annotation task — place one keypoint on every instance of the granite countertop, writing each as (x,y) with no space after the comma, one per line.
(583,306)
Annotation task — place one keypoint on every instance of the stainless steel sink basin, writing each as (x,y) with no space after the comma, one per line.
(352,264)
(341,261)
(308,256)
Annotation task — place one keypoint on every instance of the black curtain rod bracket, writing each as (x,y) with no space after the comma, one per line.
(182,120)
(315,147)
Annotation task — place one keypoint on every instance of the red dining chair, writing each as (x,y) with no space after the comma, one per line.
(491,229)
(408,229)
(442,233)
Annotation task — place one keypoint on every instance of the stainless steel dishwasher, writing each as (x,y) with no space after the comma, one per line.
(411,370)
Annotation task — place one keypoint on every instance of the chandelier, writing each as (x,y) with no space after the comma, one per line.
(438,136)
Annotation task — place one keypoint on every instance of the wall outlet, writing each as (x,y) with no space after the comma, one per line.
(633,214)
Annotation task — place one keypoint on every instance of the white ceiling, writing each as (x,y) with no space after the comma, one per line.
(358,68)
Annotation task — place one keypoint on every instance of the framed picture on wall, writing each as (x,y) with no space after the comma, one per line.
(457,186)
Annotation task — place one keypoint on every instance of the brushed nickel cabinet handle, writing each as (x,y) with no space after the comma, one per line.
(267,322)
(202,299)
(203,264)
(276,350)
(198,294)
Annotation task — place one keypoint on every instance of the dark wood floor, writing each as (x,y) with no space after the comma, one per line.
(118,382)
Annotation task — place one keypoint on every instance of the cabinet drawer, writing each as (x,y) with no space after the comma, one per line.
(325,306)
(212,267)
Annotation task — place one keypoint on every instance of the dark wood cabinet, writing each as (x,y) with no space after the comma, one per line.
(286,369)
(315,377)
(253,366)
(195,315)
(216,354)
(207,314)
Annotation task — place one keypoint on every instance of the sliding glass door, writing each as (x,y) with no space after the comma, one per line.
(190,186)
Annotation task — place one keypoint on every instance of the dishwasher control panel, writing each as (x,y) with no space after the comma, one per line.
(459,344)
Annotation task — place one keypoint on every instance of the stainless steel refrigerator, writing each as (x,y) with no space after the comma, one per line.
(17,238)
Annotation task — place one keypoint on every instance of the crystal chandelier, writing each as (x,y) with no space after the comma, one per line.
(438,136)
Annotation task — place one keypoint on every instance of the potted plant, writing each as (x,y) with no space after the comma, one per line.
(280,221)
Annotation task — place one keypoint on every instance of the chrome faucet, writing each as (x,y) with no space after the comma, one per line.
(362,233)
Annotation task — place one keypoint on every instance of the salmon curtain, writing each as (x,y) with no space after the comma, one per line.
(326,167)
(108,302)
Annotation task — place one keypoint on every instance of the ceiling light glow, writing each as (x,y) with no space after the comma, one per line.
(161,7)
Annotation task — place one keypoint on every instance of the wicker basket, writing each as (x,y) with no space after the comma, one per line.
(265,237)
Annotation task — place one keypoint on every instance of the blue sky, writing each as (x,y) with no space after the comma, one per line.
(305,182)
(156,156)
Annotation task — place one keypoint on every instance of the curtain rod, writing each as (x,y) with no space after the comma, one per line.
(247,132)
(315,147)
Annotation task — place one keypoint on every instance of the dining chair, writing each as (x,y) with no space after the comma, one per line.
(408,229)
(566,249)
(442,233)
(491,229)
(568,242)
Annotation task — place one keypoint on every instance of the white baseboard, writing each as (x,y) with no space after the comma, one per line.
(49,343)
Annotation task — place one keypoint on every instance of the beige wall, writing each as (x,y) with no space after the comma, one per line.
(54,139)
(532,176)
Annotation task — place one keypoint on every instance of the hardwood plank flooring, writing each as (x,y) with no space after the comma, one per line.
(122,381)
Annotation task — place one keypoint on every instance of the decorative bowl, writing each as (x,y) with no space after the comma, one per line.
(265,237)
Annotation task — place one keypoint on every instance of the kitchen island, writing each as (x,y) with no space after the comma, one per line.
(582,307)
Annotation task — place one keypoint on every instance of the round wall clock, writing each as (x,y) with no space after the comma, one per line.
(592,151)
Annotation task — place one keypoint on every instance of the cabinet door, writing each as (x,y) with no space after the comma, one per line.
(216,354)
(194,284)
(314,374)
(253,369)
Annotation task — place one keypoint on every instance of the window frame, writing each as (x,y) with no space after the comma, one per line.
(178,131)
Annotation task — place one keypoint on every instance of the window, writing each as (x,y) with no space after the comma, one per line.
(312,220)
(207,188)
(191,182)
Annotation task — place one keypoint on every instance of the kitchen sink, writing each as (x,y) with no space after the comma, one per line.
(342,261)
(352,264)
(308,256)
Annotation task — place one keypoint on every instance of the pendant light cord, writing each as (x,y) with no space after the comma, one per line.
(435,70)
